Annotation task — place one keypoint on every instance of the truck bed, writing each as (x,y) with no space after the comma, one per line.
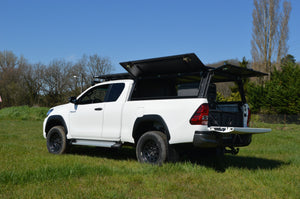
(228,114)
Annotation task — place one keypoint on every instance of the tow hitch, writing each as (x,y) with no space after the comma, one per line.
(232,150)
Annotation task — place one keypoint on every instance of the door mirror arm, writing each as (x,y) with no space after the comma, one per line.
(73,100)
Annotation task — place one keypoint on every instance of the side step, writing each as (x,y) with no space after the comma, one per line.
(107,144)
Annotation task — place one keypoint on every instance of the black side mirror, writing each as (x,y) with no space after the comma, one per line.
(73,100)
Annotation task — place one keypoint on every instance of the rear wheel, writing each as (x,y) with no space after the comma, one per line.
(152,147)
(173,155)
(56,140)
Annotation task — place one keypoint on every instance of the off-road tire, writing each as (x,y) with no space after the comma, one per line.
(152,148)
(173,155)
(56,140)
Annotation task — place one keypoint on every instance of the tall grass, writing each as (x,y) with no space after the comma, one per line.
(23,113)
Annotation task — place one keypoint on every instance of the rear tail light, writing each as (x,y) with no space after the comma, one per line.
(200,117)
(249,117)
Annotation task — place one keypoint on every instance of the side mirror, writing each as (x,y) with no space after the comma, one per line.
(73,100)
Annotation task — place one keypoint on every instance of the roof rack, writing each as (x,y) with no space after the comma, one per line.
(101,78)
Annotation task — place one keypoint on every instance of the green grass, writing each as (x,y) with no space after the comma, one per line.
(24,113)
(268,168)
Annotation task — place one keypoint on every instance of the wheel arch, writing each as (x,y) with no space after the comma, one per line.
(55,120)
(149,123)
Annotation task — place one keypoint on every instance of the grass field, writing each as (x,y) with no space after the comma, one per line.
(268,168)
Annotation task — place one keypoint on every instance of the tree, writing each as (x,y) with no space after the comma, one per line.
(78,73)
(9,78)
(86,68)
(23,83)
(281,94)
(288,59)
(283,31)
(8,61)
(283,91)
(57,82)
(270,32)
(98,65)
(32,82)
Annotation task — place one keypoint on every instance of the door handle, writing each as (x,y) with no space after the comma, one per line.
(98,109)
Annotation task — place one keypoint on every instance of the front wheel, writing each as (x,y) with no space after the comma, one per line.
(56,140)
(152,147)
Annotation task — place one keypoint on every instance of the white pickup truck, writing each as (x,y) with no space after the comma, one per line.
(159,105)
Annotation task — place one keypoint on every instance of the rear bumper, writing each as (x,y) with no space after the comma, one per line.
(206,139)
(211,139)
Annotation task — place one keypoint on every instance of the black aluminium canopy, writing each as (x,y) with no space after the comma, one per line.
(228,72)
(180,65)
(186,63)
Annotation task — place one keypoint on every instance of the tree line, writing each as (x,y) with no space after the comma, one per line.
(280,91)
(280,94)
(24,83)
(270,32)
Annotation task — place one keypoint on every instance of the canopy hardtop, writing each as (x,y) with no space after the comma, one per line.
(185,64)
(180,65)
(228,72)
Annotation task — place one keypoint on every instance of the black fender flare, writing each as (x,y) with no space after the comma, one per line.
(55,120)
(150,118)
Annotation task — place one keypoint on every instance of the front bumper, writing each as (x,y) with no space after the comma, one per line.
(44,127)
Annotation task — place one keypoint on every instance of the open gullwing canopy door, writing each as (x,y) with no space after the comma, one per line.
(186,63)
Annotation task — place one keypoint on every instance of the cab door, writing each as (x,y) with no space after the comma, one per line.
(113,112)
(86,116)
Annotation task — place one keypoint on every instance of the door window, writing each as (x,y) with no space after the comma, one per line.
(115,92)
(104,93)
(94,95)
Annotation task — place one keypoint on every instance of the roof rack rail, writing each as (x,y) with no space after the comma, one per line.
(101,78)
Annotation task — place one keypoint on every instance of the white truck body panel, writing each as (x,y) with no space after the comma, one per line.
(85,122)
(175,112)
(104,124)
(113,113)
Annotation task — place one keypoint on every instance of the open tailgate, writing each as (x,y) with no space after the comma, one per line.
(238,130)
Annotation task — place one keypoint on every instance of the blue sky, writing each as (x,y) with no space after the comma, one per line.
(215,30)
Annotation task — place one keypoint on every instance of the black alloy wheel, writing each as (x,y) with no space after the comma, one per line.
(56,140)
(152,148)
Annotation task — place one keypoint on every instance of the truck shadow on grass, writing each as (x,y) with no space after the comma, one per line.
(200,157)
(101,152)
(220,164)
